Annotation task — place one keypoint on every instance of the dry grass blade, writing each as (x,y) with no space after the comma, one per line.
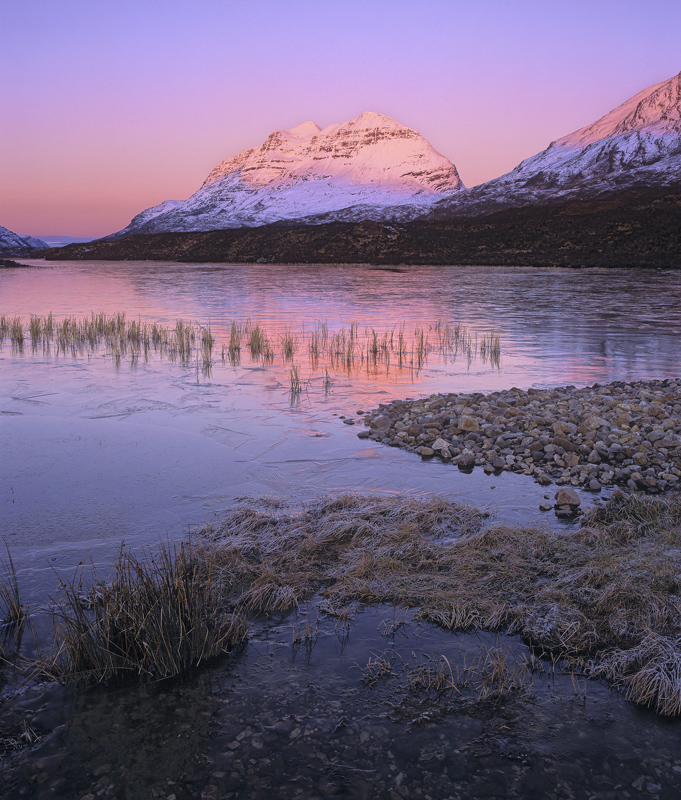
(12,613)
(379,666)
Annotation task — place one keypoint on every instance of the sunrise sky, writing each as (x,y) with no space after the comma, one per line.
(111,107)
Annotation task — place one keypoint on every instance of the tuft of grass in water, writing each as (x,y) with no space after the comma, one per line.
(490,349)
(26,736)
(12,613)
(295,382)
(158,616)
(305,635)
(16,333)
(35,331)
(258,341)
(234,347)
(378,667)
(489,673)
(207,343)
(288,345)
(185,336)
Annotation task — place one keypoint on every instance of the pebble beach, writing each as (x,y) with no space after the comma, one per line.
(624,435)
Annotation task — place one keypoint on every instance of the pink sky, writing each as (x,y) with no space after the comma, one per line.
(109,108)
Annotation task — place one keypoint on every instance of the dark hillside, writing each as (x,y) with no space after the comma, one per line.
(636,228)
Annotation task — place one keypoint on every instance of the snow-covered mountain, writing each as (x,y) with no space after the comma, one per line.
(637,144)
(369,164)
(14,244)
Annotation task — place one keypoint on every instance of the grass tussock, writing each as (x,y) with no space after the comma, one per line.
(156,617)
(279,558)
(606,597)
(12,613)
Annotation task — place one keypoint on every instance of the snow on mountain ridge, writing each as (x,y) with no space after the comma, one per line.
(636,144)
(370,161)
(657,108)
(15,244)
(373,167)
(641,131)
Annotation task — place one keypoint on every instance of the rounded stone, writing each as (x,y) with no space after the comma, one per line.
(466,459)
(467,423)
(567,497)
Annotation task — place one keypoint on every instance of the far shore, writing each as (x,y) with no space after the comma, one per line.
(636,228)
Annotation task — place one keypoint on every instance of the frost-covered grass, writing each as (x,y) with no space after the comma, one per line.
(605,598)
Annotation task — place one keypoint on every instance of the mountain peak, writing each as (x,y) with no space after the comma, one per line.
(657,108)
(305,129)
(373,119)
(367,164)
(16,244)
(636,144)
(370,149)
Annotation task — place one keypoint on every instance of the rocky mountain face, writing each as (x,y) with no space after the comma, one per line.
(14,244)
(354,170)
(636,145)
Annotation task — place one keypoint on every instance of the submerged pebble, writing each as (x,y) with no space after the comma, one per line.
(620,434)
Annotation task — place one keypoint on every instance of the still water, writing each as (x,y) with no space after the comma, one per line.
(97,449)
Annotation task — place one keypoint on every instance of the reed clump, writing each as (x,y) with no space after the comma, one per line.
(296,385)
(594,597)
(12,612)
(288,345)
(347,350)
(487,673)
(157,616)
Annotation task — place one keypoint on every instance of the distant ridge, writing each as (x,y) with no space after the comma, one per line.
(14,244)
(372,191)
(633,228)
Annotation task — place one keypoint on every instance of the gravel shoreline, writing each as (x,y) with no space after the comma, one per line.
(620,434)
